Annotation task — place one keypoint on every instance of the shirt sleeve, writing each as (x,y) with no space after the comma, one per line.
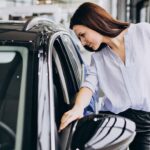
(91,80)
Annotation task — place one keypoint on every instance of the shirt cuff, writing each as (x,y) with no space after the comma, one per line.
(88,85)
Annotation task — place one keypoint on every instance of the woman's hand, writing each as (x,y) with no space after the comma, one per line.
(82,101)
(75,113)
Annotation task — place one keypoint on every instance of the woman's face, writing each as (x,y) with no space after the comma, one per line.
(88,37)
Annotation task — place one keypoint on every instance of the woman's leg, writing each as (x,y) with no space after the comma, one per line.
(142,120)
(141,141)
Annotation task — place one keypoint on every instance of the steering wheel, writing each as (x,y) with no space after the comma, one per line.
(10,133)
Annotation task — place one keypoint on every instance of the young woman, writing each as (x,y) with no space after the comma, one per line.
(119,67)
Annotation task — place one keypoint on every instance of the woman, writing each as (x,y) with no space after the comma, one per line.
(119,66)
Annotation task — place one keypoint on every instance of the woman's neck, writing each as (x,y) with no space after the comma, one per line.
(117,44)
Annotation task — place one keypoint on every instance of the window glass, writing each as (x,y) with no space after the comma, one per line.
(66,67)
(64,78)
(10,79)
(73,57)
(59,93)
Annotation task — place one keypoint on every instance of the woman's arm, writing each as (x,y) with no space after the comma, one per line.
(82,100)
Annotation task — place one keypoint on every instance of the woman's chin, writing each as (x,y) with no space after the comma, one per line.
(103,45)
(89,49)
(95,49)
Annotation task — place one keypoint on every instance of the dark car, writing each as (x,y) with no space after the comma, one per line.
(41,71)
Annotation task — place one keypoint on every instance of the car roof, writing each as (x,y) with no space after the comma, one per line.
(27,31)
(11,25)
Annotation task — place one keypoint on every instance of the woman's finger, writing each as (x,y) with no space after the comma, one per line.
(67,121)
(66,116)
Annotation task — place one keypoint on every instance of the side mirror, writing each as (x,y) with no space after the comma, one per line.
(102,131)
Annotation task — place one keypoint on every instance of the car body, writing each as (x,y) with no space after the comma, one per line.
(41,71)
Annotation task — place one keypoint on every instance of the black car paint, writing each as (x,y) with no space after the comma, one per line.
(35,40)
(31,41)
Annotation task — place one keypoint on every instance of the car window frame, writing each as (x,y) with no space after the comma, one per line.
(51,91)
(75,52)
(43,103)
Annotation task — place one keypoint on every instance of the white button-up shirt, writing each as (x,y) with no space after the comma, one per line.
(124,85)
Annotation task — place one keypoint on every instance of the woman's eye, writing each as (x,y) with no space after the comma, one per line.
(82,34)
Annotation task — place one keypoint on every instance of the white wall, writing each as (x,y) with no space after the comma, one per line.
(110,6)
(29,10)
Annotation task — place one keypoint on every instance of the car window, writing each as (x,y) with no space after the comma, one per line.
(61,98)
(73,57)
(10,81)
(13,73)
(61,95)
(67,74)
(70,78)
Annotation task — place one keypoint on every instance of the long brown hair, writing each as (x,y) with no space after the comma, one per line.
(95,17)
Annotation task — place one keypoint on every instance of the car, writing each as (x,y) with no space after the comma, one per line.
(41,71)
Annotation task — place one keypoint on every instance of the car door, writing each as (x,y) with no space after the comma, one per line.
(66,72)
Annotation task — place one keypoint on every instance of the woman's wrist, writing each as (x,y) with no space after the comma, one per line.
(77,106)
